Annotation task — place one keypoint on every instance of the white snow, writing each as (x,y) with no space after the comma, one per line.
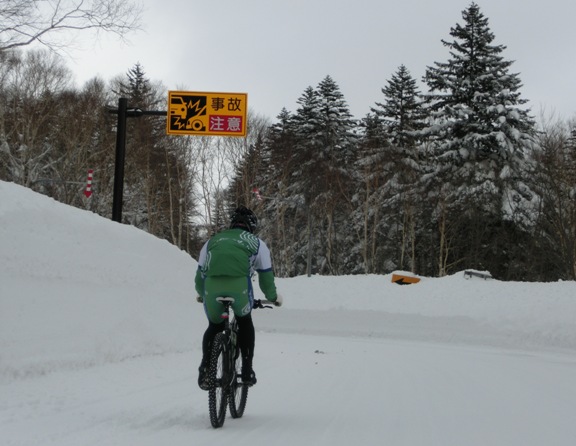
(100,342)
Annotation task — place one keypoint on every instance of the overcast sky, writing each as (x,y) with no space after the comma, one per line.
(274,50)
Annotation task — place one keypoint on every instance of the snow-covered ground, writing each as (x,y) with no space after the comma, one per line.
(100,342)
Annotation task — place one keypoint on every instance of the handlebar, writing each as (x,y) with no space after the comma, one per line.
(261,303)
(258,303)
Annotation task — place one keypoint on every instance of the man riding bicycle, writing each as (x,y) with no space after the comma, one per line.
(225,267)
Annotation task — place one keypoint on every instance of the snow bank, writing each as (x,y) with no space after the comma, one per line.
(78,290)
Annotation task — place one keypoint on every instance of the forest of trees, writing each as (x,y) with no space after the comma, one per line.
(454,177)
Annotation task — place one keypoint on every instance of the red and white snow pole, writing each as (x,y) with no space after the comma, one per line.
(88,190)
(256,193)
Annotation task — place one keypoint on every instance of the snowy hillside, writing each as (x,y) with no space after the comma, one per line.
(100,342)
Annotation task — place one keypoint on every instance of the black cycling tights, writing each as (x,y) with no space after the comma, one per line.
(209,334)
(246,338)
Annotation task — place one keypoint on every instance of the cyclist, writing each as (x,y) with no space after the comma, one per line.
(225,267)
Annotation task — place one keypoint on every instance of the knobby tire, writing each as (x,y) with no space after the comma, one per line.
(219,380)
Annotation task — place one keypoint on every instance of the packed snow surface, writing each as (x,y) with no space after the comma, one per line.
(100,343)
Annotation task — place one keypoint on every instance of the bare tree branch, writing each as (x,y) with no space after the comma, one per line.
(23,22)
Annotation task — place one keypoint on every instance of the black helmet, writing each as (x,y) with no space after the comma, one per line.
(244,218)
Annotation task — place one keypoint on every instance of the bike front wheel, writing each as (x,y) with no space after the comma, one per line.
(219,380)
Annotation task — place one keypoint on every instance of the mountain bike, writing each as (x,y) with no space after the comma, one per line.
(224,371)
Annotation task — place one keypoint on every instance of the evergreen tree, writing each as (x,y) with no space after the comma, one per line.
(282,198)
(308,184)
(479,137)
(244,183)
(305,156)
(368,256)
(307,163)
(338,127)
(478,124)
(389,172)
(326,150)
(138,88)
(401,114)
(280,142)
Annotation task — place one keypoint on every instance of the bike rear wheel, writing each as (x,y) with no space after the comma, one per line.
(219,379)
(237,393)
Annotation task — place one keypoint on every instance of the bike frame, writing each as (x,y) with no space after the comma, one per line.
(228,389)
(231,336)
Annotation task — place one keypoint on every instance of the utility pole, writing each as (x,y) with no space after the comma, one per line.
(120,157)
(123,113)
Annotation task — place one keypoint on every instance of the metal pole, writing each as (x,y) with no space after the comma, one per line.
(310,242)
(120,156)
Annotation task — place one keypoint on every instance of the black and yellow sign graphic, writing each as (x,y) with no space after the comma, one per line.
(206,114)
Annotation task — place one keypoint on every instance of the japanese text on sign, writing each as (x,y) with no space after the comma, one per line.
(205,114)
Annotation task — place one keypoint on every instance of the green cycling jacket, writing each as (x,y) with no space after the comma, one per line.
(236,253)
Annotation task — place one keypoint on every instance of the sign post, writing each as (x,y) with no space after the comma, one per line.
(123,113)
(189,113)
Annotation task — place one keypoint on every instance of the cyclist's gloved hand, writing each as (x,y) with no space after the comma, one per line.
(279,301)
(199,299)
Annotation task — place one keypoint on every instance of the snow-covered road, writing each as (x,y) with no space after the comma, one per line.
(321,390)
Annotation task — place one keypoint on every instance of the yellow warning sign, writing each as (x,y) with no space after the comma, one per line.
(206,114)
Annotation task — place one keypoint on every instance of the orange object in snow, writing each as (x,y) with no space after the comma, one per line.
(401,279)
